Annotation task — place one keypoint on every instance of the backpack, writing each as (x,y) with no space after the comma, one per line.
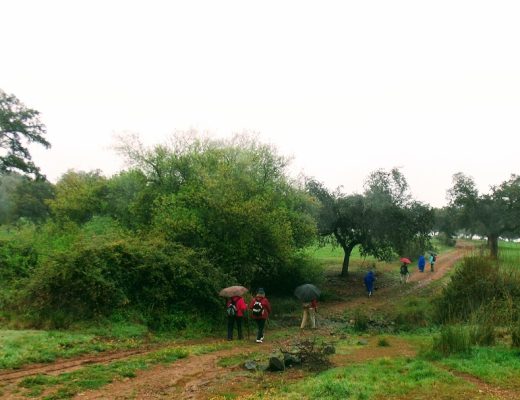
(258,308)
(434,258)
(231,310)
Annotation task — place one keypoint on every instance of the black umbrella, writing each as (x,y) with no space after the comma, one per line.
(307,292)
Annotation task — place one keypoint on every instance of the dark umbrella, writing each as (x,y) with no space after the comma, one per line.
(233,291)
(405,260)
(307,292)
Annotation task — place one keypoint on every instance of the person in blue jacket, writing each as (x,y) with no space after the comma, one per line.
(369,282)
(421,263)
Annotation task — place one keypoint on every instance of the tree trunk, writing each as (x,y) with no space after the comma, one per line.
(493,245)
(346,259)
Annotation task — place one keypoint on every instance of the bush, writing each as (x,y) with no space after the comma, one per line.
(515,336)
(98,278)
(483,334)
(478,285)
(282,281)
(452,340)
(361,320)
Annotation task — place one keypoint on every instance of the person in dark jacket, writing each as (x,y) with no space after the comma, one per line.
(260,310)
(369,280)
(405,274)
(237,316)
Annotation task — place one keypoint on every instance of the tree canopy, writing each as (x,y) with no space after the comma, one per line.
(384,220)
(19,126)
(491,215)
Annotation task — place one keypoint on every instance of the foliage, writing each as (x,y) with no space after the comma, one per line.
(232,200)
(491,215)
(99,276)
(79,197)
(479,286)
(19,126)
(452,340)
(383,221)
(21,197)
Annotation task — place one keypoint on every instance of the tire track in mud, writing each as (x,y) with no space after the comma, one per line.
(67,366)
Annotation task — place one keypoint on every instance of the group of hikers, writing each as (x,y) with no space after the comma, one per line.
(261,308)
(370,276)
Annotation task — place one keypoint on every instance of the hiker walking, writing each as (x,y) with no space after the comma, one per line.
(369,280)
(309,313)
(421,263)
(260,310)
(405,274)
(235,308)
(433,258)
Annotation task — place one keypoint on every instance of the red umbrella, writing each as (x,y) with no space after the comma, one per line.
(405,260)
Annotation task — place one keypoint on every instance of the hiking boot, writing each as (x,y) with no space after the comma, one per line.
(258,341)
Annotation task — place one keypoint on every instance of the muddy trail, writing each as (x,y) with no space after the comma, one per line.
(201,376)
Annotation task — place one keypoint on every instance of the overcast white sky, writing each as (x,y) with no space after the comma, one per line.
(343,87)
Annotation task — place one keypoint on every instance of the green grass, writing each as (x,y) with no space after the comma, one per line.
(383,378)
(495,365)
(27,346)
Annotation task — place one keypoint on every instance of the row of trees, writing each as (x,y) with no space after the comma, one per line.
(196,214)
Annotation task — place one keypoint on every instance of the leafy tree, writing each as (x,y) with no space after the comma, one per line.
(128,199)
(384,220)
(490,215)
(79,196)
(19,126)
(232,199)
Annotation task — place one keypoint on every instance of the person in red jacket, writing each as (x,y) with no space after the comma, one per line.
(235,308)
(260,310)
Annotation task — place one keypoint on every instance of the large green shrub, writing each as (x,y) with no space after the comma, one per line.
(478,286)
(98,278)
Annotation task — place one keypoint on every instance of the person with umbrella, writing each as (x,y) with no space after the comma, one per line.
(308,294)
(235,309)
(260,310)
(405,274)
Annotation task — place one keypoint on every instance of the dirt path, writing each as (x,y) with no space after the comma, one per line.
(353,289)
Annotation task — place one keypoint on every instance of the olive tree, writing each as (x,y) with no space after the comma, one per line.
(490,215)
(384,220)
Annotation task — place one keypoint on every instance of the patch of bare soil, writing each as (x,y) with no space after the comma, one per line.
(396,348)
(188,378)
